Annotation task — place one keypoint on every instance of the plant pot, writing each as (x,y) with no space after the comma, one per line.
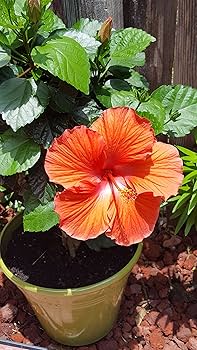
(73,317)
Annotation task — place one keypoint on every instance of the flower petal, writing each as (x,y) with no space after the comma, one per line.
(135,219)
(76,156)
(161,173)
(85,215)
(128,137)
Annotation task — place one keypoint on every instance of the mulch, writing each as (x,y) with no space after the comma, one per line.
(158,311)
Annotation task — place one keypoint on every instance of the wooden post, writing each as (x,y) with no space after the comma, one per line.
(71,10)
(157,17)
(185,57)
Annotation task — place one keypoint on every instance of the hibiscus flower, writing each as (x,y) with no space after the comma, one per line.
(115,175)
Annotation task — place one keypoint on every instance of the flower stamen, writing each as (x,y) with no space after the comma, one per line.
(126,193)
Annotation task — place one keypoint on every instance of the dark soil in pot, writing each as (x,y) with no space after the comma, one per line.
(41,259)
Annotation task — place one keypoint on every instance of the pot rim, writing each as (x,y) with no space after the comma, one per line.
(69,291)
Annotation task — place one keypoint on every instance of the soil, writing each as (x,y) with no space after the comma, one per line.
(158,311)
(42,260)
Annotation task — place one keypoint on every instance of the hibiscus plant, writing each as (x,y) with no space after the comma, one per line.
(105,170)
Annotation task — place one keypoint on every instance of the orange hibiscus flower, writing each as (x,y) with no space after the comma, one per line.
(115,175)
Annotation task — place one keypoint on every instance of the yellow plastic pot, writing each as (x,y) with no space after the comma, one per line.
(73,317)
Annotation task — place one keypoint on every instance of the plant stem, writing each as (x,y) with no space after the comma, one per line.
(25,72)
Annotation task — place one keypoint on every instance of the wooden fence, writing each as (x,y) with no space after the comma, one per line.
(173,58)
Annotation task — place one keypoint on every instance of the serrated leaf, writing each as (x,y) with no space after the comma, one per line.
(66,59)
(86,41)
(17,152)
(138,80)
(180,103)
(153,111)
(43,94)
(39,215)
(5,56)
(42,218)
(104,93)
(192,203)
(7,15)
(125,44)
(50,22)
(124,98)
(87,114)
(17,105)
(37,179)
(61,102)
(88,26)
(3,38)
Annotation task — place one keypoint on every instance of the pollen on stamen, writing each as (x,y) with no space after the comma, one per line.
(128,194)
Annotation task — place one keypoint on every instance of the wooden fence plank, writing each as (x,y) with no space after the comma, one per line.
(70,11)
(185,58)
(158,17)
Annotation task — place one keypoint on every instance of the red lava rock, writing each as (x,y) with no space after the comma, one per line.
(21,316)
(168,258)
(172,242)
(192,343)
(91,347)
(190,262)
(184,333)
(107,345)
(192,310)
(133,345)
(165,324)
(8,313)
(152,317)
(126,327)
(135,288)
(170,345)
(163,293)
(163,305)
(179,343)
(32,334)
(151,250)
(3,295)
(17,337)
(157,340)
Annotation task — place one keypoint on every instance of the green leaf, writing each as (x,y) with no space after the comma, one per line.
(17,152)
(124,98)
(192,220)
(17,105)
(180,103)
(111,87)
(86,41)
(154,111)
(5,56)
(125,44)
(100,242)
(181,200)
(87,114)
(20,7)
(88,26)
(195,186)
(181,220)
(39,215)
(43,94)
(190,177)
(60,101)
(192,203)
(2,188)
(66,59)
(3,38)
(138,80)
(50,22)
(7,15)
(187,151)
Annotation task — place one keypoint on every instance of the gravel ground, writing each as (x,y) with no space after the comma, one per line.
(159,308)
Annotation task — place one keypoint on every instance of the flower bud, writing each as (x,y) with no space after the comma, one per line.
(105,30)
(34,7)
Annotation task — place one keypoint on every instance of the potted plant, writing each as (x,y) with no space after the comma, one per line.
(78,157)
